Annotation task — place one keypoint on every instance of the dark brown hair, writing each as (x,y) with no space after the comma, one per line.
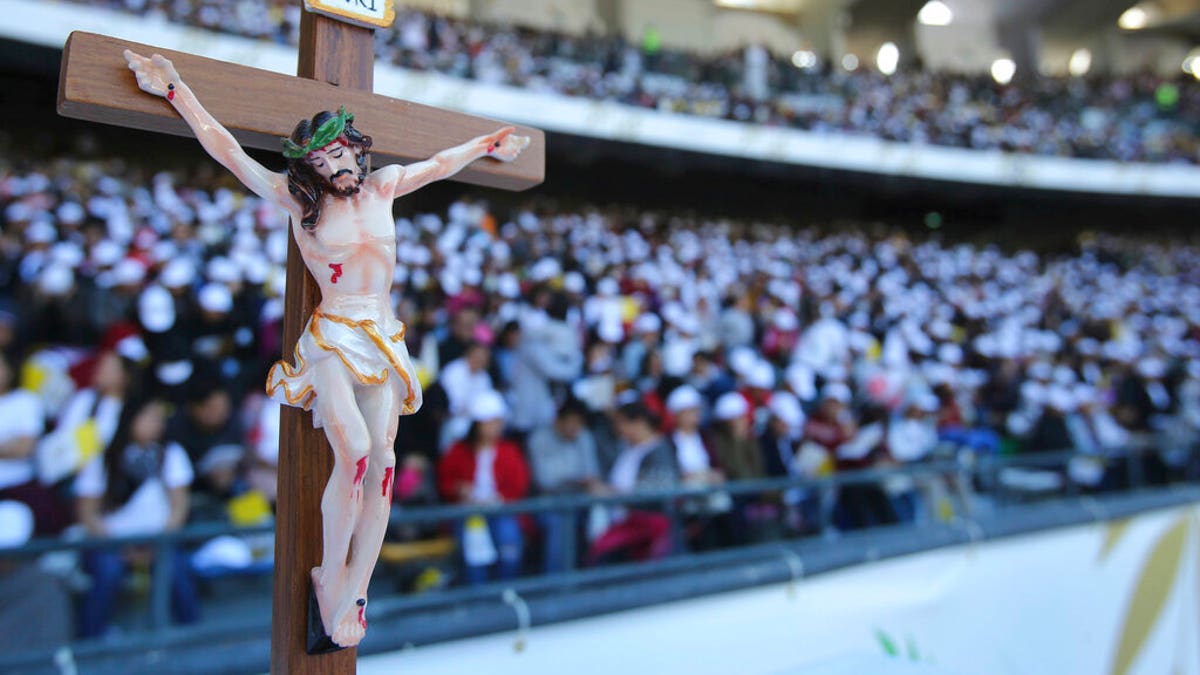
(305,184)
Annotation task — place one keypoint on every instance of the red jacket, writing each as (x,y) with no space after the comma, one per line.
(457,468)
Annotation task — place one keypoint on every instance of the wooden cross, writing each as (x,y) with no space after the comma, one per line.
(336,64)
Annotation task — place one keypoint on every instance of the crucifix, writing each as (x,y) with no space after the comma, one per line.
(348,363)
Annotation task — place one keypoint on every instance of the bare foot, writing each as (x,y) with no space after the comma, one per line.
(352,625)
(328,589)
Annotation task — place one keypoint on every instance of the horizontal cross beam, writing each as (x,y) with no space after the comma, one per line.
(259,107)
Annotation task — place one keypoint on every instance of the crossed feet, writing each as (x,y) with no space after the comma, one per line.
(344,612)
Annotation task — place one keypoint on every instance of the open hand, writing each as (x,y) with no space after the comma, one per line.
(154,74)
(504,145)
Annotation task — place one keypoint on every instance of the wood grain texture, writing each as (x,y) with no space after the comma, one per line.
(260,107)
(341,53)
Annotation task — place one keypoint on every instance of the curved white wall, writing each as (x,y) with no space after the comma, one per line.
(1074,600)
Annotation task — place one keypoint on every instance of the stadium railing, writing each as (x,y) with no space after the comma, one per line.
(977,476)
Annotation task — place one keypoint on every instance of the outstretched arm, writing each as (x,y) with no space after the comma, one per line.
(502,145)
(156,75)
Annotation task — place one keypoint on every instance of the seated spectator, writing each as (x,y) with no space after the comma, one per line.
(138,486)
(708,523)
(563,459)
(89,419)
(865,504)
(212,436)
(549,356)
(465,377)
(485,469)
(644,463)
(21,425)
(733,442)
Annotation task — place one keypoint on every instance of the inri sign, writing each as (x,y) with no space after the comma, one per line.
(366,13)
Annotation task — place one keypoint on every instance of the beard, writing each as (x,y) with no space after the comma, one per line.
(347,191)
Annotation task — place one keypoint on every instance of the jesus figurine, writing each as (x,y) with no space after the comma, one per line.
(352,369)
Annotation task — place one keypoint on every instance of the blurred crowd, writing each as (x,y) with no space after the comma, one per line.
(581,351)
(1135,118)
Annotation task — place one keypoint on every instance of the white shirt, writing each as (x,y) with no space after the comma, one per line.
(624,473)
(79,407)
(20,416)
(690,453)
(149,508)
(484,488)
(461,385)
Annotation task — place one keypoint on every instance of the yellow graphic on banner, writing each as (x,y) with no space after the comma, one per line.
(87,439)
(366,13)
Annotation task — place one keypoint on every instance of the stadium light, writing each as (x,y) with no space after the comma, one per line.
(887,58)
(1134,18)
(850,62)
(1080,63)
(935,13)
(1003,70)
(804,59)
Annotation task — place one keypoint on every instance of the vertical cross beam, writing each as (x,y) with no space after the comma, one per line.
(343,55)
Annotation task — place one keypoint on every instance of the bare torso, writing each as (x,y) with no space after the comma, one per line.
(352,252)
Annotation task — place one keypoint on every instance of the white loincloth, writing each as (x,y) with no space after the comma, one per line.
(369,353)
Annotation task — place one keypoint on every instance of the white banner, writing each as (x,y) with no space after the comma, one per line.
(1106,599)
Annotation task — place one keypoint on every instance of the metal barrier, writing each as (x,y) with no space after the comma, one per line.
(962,471)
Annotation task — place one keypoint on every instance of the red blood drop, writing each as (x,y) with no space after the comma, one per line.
(171,95)
(362,470)
(362,619)
(387,480)
(337,272)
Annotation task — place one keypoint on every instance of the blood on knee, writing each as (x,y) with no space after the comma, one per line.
(360,470)
(387,480)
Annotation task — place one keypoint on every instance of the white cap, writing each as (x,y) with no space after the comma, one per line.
(730,406)
(16,524)
(950,353)
(40,232)
(128,272)
(508,286)
(1061,398)
(742,360)
(156,309)
(684,398)
(802,380)
(223,270)
(70,212)
(574,282)
(67,253)
(1152,368)
(611,331)
(608,286)
(787,408)
(1041,370)
(177,273)
(785,320)
(132,348)
(216,298)
(647,323)
(174,372)
(107,252)
(56,280)
(837,391)
(761,376)
(488,405)
(472,276)
(677,357)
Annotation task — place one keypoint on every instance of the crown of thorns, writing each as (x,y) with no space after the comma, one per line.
(325,134)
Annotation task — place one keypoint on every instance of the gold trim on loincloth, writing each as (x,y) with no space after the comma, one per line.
(371,329)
